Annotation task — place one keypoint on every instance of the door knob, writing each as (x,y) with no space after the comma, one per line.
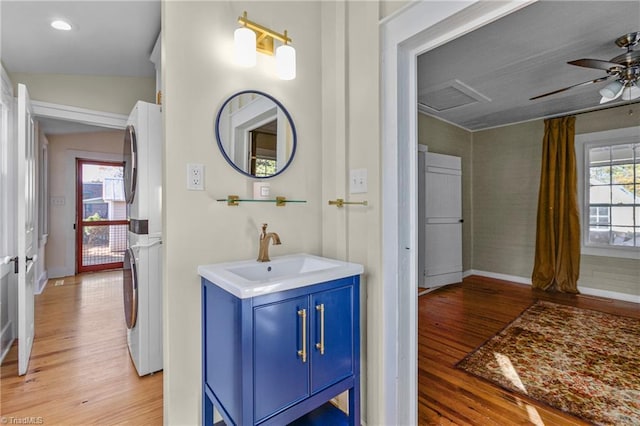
(5,261)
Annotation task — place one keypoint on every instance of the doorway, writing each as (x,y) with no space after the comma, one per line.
(101,231)
(405,35)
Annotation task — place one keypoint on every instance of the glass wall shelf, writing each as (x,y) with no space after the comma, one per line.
(235,200)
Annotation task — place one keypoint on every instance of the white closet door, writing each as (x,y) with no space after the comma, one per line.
(443,220)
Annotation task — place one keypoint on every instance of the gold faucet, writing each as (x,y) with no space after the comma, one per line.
(263,255)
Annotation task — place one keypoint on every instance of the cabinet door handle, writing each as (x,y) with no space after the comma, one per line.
(302,313)
(320,308)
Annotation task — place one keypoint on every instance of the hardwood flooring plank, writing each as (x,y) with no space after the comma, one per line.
(456,319)
(80,371)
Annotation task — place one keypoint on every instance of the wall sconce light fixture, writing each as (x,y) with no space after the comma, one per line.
(252,37)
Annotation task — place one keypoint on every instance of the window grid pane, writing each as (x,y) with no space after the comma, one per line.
(614,195)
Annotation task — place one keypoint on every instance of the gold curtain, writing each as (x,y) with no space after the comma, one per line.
(557,261)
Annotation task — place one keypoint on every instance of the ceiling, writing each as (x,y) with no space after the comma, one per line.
(497,68)
(501,65)
(109,37)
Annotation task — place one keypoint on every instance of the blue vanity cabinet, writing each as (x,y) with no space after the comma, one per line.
(278,358)
(335,360)
(280,376)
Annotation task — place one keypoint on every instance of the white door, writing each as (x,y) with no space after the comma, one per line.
(443,220)
(26,228)
(8,245)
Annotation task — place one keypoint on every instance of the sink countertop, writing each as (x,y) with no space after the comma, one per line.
(250,278)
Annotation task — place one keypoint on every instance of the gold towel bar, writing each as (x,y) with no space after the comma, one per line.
(340,202)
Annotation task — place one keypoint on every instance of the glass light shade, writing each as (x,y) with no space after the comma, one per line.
(611,90)
(286,62)
(245,47)
(631,92)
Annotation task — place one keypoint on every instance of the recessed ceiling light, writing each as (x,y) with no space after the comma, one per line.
(61,25)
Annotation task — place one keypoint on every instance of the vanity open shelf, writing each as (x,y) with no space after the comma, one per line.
(234,200)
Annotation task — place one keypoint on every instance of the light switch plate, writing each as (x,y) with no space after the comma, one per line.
(358,181)
(195,177)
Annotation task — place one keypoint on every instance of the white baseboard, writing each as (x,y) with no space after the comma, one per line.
(609,294)
(497,276)
(6,336)
(42,282)
(583,290)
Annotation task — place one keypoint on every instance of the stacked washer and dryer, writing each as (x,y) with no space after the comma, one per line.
(142,271)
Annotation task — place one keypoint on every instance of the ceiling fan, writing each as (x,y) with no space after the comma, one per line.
(624,70)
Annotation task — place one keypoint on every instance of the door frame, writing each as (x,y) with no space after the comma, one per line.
(413,30)
(69,267)
(84,116)
(80,214)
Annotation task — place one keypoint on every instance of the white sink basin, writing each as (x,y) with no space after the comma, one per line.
(249,278)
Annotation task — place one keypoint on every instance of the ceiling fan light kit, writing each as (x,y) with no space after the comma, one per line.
(623,69)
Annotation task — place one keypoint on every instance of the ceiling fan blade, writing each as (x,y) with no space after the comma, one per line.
(595,63)
(597,80)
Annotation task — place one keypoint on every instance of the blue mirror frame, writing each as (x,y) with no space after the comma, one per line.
(221,144)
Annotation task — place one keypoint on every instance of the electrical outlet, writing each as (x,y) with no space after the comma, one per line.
(195,177)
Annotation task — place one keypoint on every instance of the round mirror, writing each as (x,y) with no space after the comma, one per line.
(256,134)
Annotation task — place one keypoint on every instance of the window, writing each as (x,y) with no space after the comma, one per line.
(610,192)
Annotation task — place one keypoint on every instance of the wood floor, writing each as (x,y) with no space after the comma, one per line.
(81,374)
(80,371)
(456,319)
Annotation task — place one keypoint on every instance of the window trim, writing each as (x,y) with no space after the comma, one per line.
(584,142)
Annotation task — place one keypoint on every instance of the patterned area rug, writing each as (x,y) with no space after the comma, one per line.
(583,362)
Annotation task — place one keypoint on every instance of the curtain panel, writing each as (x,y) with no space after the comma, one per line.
(557,255)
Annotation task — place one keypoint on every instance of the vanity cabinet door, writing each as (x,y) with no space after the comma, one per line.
(281,376)
(332,349)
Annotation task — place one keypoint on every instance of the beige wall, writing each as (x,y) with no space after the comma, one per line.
(61,216)
(388,7)
(333,103)
(364,224)
(607,273)
(100,93)
(443,138)
(506,174)
(501,196)
(198,75)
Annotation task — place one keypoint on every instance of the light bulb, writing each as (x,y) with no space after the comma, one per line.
(61,25)
(286,62)
(245,47)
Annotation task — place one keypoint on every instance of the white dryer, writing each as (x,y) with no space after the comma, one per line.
(142,271)
(142,280)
